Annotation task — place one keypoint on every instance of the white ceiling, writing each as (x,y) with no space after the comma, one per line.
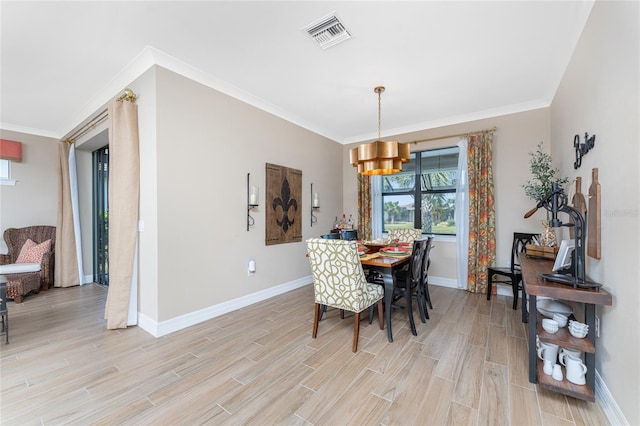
(442,62)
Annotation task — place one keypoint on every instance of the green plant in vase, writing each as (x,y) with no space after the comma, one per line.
(543,175)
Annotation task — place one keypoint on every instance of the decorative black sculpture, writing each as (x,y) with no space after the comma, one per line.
(556,201)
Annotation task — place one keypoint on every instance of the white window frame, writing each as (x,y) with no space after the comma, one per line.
(377,213)
(5,173)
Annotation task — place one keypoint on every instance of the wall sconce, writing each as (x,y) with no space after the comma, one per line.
(252,201)
(315,205)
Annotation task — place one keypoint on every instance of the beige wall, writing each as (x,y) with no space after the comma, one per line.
(207,142)
(516,135)
(34,198)
(599,94)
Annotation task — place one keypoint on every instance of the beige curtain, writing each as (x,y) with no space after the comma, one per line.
(482,217)
(66,261)
(124,191)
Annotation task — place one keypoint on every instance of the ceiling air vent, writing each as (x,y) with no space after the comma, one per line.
(328,31)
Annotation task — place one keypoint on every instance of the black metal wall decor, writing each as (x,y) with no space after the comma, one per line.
(582,148)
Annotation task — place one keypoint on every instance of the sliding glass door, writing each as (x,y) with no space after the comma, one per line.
(101,216)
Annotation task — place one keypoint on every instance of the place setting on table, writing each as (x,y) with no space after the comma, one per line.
(386,247)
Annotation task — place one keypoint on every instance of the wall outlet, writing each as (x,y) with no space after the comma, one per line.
(597,326)
(251,267)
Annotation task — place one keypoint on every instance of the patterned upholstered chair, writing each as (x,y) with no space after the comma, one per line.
(405,234)
(339,282)
(22,283)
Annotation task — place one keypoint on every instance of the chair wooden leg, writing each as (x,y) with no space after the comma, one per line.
(356,331)
(428,296)
(323,309)
(316,319)
(381,314)
(489,284)
(422,307)
(427,300)
(341,313)
(514,286)
(408,297)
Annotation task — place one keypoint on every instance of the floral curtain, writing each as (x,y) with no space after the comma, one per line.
(482,226)
(364,207)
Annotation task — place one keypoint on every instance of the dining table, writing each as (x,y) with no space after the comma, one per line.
(386,265)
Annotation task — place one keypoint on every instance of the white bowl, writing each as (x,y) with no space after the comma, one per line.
(579,334)
(548,307)
(549,325)
(561,319)
(578,326)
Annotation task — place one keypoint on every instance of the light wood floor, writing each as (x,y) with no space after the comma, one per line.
(260,366)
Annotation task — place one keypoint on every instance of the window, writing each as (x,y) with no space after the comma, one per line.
(437,174)
(5,173)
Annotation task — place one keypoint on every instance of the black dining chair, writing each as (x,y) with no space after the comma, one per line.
(511,275)
(424,283)
(349,234)
(409,282)
(330,236)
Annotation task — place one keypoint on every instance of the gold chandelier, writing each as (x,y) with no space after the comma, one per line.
(380,157)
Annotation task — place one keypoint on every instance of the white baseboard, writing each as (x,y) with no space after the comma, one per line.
(505,291)
(443,282)
(606,402)
(158,329)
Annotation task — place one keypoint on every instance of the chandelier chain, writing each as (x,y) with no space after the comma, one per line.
(379,114)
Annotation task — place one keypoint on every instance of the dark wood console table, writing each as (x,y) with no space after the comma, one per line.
(535,286)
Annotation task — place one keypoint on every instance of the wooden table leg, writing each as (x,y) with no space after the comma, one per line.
(387,276)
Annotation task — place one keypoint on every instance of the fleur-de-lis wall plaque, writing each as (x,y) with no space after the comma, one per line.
(286,203)
(284,216)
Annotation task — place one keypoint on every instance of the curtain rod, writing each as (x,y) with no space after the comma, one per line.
(457,135)
(128,96)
